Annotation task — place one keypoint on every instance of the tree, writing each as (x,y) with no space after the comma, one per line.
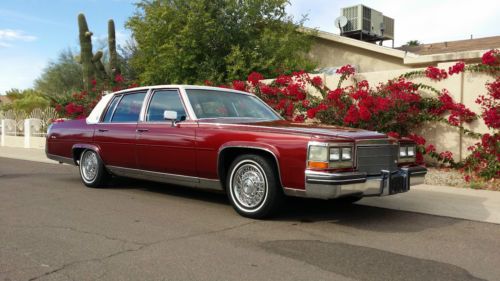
(413,43)
(25,100)
(61,76)
(190,41)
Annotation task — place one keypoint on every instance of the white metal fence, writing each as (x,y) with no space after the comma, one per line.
(19,128)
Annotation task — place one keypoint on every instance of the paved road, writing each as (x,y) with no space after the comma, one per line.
(54,228)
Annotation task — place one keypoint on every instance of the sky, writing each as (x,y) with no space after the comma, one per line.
(33,32)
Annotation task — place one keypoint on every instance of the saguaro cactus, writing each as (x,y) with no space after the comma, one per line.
(86,52)
(92,64)
(99,67)
(113,55)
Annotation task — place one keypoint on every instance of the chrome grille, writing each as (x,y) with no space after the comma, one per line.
(372,159)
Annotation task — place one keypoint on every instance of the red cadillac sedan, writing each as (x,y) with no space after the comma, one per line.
(230,141)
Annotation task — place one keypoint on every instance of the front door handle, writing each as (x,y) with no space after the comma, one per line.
(142,130)
(102,130)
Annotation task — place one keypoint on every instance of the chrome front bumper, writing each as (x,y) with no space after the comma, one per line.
(333,185)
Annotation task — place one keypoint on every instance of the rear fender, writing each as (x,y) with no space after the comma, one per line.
(78,148)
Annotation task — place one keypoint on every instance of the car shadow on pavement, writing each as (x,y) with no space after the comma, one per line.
(169,189)
(304,211)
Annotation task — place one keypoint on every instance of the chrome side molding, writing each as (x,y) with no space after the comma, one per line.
(195,182)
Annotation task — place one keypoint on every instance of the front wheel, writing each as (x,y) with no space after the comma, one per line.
(92,171)
(253,186)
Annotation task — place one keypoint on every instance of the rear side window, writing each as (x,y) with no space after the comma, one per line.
(165,100)
(111,109)
(129,108)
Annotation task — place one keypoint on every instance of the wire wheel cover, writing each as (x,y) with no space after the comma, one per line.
(89,166)
(249,185)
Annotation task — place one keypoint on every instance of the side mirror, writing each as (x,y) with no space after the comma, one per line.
(170,115)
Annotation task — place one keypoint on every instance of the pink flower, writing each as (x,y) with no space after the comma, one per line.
(346,70)
(299,118)
(239,85)
(446,155)
(119,78)
(352,116)
(317,81)
(283,80)
(457,68)
(490,57)
(430,148)
(311,113)
(417,139)
(254,78)
(435,73)
(335,94)
(364,113)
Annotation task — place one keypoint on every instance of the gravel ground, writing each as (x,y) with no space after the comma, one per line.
(445,176)
(450,177)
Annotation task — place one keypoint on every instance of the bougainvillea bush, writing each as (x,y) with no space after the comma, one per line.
(396,107)
(78,105)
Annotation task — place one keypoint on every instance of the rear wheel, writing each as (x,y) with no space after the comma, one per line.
(253,187)
(92,171)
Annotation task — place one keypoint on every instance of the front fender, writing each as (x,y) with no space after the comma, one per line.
(252,145)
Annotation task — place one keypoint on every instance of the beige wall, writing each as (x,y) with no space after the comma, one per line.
(328,53)
(465,88)
(18,141)
(14,141)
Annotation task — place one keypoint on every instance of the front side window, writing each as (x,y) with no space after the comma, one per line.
(129,108)
(165,100)
(222,104)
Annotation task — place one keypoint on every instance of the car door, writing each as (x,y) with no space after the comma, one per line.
(115,135)
(163,146)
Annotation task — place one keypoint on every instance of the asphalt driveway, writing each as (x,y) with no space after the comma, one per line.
(54,228)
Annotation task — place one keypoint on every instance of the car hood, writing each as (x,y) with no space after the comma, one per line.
(313,129)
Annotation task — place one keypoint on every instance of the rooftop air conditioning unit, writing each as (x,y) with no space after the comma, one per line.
(367,24)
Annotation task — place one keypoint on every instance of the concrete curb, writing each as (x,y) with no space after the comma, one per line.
(461,203)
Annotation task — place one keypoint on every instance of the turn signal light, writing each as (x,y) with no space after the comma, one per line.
(317,165)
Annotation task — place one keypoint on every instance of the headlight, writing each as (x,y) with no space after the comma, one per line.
(330,155)
(407,153)
(411,151)
(318,153)
(402,151)
(335,154)
(346,153)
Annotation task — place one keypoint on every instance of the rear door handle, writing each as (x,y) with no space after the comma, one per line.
(142,130)
(102,130)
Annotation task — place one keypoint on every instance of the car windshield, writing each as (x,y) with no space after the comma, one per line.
(225,104)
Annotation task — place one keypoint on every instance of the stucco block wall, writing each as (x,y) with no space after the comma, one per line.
(464,88)
(332,54)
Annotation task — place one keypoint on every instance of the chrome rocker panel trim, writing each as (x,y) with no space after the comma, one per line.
(181,180)
(323,185)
